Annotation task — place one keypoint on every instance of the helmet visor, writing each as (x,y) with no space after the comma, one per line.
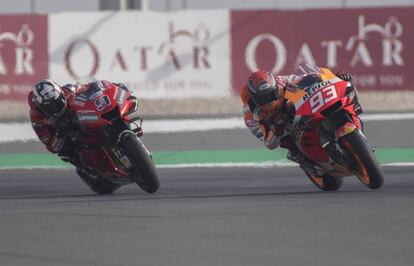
(263,99)
(55,106)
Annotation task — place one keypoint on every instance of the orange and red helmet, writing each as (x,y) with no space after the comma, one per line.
(264,91)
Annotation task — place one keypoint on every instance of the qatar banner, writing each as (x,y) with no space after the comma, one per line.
(174,54)
(375,45)
(23,54)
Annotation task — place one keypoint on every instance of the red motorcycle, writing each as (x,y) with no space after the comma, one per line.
(107,139)
(328,132)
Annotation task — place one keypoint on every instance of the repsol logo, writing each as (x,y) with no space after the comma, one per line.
(311,90)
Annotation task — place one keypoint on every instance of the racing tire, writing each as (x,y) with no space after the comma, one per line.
(366,166)
(144,172)
(326,182)
(98,185)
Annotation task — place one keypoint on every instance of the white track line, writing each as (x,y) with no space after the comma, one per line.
(387,117)
(400,164)
(23,132)
(269,164)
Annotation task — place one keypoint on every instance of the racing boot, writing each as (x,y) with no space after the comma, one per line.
(307,165)
(296,156)
(97,184)
(69,155)
(72,160)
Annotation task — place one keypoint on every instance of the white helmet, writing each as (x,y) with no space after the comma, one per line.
(49,97)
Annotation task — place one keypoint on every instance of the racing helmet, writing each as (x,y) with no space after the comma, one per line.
(263,90)
(48,97)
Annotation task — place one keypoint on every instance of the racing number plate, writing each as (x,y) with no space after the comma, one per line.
(322,97)
(102,102)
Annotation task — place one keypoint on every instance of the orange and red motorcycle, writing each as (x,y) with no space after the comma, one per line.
(328,132)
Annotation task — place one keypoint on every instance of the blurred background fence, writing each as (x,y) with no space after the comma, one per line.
(48,6)
(190,57)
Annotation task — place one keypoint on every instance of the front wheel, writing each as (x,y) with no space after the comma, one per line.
(365,165)
(144,172)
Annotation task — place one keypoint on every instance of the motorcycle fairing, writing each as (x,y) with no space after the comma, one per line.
(314,104)
(96,108)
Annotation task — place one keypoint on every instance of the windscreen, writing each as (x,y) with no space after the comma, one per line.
(90,91)
(307,75)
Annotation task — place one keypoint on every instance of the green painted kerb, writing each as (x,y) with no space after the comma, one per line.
(192,157)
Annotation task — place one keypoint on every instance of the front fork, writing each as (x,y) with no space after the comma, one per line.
(116,134)
(346,129)
(347,150)
(112,142)
(349,128)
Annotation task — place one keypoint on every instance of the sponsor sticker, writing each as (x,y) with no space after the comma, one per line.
(314,88)
(79,103)
(95,95)
(86,111)
(81,98)
(121,98)
(102,103)
(85,117)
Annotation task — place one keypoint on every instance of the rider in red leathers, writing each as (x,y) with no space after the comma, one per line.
(49,115)
(267,112)
(52,118)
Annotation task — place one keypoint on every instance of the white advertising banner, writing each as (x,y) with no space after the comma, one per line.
(175,54)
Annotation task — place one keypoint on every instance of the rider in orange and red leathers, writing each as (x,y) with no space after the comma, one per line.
(267,112)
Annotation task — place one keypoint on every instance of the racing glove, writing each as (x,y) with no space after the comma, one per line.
(61,130)
(272,141)
(57,140)
(285,115)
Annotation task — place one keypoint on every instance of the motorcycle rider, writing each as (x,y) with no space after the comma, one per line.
(267,112)
(52,120)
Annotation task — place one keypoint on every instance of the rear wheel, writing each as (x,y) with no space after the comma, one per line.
(144,172)
(365,164)
(326,182)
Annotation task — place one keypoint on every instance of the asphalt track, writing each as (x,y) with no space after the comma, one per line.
(207,216)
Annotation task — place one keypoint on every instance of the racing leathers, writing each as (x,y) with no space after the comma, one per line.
(268,126)
(53,131)
(50,129)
